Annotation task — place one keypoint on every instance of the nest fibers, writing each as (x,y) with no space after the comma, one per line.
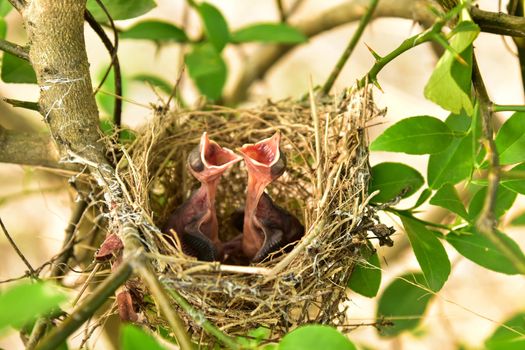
(325,186)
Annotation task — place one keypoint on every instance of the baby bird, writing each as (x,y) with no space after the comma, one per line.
(266,226)
(195,221)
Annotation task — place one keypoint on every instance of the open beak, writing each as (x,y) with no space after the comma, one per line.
(264,159)
(209,161)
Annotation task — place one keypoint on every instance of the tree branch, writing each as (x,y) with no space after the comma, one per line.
(266,56)
(498,23)
(418,10)
(14,49)
(56,32)
(29,149)
(18,4)
(91,304)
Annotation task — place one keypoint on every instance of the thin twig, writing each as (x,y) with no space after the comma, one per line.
(23,104)
(115,63)
(14,49)
(318,163)
(67,245)
(486,222)
(282,12)
(516,8)
(350,48)
(18,4)
(33,273)
(91,304)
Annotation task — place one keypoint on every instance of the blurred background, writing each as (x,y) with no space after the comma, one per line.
(35,204)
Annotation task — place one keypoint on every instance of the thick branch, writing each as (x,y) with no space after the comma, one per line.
(28,149)
(498,23)
(56,31)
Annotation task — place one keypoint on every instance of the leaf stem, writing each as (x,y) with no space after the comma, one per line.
(507,108)
(350,48)
(408,214)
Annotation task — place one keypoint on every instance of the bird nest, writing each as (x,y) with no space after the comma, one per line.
(325,186)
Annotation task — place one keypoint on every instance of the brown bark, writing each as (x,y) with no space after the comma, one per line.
(57,52)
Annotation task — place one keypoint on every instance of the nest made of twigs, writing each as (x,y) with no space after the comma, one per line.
(325,186)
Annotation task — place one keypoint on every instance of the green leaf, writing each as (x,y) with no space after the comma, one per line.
(394,179)
(156,31)
(5,8)
(456,162)
(120,9)
(207,69)
(403,302)
(517,184)
(479,249)
(254,338)
(510,140)
(314,337)
(215,25)
(134,338)
(25,302)
(508,339)
(415,135)
(504,200)
(429,252)
(366,277)
(3,28)
(449,84)
(269,33)
(425,194)
(518,220)
(162,84)
(447,197)
(17,70)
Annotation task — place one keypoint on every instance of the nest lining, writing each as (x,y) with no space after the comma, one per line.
(325,186)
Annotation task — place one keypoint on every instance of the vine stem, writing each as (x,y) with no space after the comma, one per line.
(350,48)
(486,222)
(430,34)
